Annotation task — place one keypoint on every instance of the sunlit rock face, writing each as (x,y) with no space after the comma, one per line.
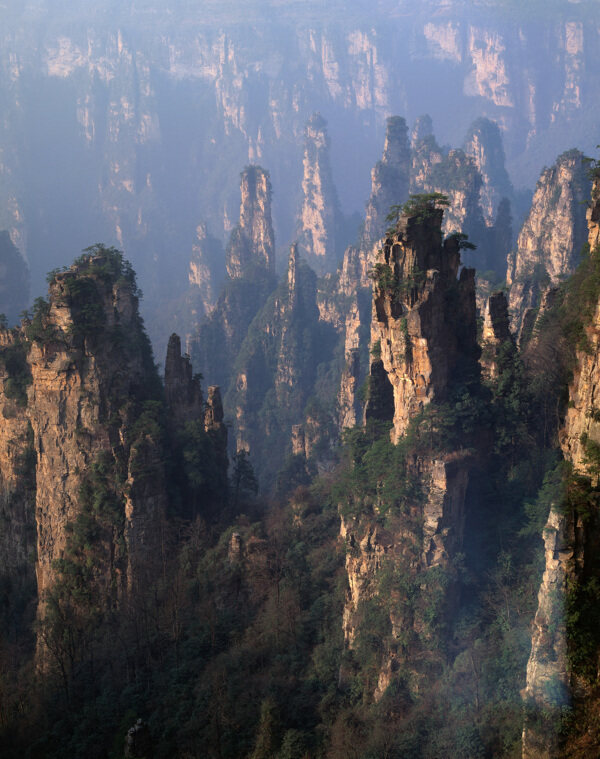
(206,271)
(421,337)
(551,240)
(570,541)
(74,380)
(252,242)
(319,217)
(418,337)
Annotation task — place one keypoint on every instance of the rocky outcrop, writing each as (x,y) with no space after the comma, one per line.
(389,181)
(182,388)
(420,333)
(426,153)
(14,280)
(548,681)
(17,481)
(348,400)
(552,237)
(89,363)
(319,217)
(252,242)
(422,129)
(456,175)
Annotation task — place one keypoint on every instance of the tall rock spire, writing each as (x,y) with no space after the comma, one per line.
(252,242)
(421,335)
(484,144)
(319,215)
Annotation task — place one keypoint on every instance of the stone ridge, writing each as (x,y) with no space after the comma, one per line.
(423,327)
(484,144)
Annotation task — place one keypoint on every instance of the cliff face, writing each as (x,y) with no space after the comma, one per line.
(88,365)
(552,237)
(472,195)
(276,369)
(495,332)
(17,480)
(422,335)
(571,539)
(182,388)
(319,217)
(423,329)
(77,379)
(252,241)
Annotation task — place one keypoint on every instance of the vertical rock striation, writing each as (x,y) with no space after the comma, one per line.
(206,272)
(571,545)
(79,393)
(319,218)
(495,333)
(552,237)
(421,333)
(423,330)
(252,242)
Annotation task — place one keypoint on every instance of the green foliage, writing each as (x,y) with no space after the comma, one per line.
(14,360)
(462,240)
(38,328)
(375,475)
(420,206)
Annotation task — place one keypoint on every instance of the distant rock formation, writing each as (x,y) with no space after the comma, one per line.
(250,279)
(252,242)
(389,181)
(484,144)
(14,280)
(319,218)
